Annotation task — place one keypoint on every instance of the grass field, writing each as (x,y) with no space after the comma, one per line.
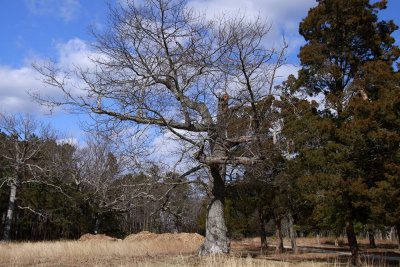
(108,253)
(154,250)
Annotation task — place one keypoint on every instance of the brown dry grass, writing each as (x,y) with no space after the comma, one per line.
(147,249)
(123,253)
(92,252)
(98,237)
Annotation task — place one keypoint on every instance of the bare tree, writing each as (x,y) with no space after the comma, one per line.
(161,64)
(99,169)
(25,140)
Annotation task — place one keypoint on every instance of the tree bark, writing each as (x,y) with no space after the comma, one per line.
(216,241)
(278,233)
(97,224)
(371,238)
(392,233)
(292,232)
(262,230)
(176,224)
(354,249)
(10,212)
(398,235)
(336,241)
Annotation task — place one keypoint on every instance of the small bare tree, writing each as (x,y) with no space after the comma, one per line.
(24,141)
(161,64)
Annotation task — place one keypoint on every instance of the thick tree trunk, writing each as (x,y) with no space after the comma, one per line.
(371,238)
(10,212)
(278,233)
(354,249)
(292,232)
(216,241)
(398,235)
(262,230)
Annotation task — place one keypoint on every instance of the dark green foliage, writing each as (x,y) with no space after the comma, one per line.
(342,37)
(348,60)
(241,203)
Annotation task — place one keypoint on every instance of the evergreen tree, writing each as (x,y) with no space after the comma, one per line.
(346,45)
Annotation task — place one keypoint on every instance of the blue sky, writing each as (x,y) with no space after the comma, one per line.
(38,29)
(35,27)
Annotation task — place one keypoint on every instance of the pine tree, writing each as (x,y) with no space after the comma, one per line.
(346,47)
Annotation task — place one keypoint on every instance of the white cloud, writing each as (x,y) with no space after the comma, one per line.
(174,153)
(282,12)
(285,15)
(75,52)
(283,72)
(16,83)
(65,9)
(165,145)
(70,141)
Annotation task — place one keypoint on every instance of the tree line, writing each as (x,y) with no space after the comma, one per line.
(52,189)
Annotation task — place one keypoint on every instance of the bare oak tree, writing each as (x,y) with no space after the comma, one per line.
(161,64)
